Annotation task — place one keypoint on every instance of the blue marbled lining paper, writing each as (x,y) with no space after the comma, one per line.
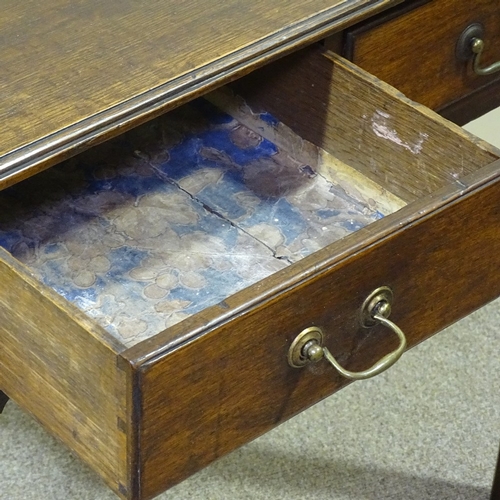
(171,218)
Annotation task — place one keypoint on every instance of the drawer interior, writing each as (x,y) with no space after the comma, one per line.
(173,217)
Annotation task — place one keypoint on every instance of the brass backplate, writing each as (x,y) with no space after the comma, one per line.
(369,308)
(296,355)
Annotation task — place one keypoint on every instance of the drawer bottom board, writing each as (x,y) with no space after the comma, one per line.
(172,218)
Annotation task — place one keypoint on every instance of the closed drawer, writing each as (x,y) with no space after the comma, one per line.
(199,246)
(413,47)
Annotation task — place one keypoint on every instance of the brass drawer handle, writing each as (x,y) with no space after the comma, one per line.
(308,345)
(470,45)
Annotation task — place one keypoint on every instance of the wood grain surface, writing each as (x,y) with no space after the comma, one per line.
(74,73)
(60,367)
(147,417)
(415,50)
(225,380)
(364,122)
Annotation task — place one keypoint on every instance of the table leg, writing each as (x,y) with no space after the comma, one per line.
(3,400)
(495,492)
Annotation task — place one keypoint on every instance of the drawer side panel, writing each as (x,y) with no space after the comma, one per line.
(365,122)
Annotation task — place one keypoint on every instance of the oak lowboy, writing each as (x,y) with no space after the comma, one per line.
(152,286)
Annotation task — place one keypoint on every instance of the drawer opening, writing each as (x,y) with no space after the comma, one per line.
(175,216)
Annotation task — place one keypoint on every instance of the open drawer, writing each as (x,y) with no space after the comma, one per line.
(197,247)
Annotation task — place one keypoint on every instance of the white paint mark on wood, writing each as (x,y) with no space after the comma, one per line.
(381,129)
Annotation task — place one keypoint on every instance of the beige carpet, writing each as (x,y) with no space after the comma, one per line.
(429,428)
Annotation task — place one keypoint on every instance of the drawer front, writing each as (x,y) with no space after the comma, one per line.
(413,47)
(234,383)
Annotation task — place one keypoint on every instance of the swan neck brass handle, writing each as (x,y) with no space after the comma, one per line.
(308,345)
(470,45)
(477,47)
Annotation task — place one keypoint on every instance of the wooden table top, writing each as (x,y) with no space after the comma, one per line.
(75,72)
